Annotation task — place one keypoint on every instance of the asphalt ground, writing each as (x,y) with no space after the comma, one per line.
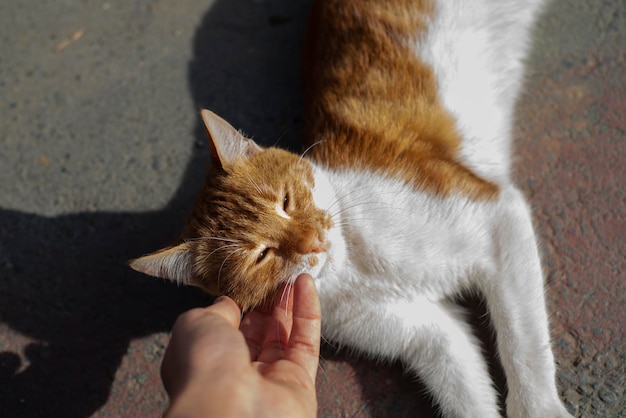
(101,155)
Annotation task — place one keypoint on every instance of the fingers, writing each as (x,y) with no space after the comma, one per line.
(227,309)
(254,328)
(276,327)
(198,337)
(304,343)
(291,330)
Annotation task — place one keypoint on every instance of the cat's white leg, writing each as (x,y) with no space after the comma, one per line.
(448,358)
(515,297)
(434,341)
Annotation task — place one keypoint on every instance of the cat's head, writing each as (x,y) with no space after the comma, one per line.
(254,226)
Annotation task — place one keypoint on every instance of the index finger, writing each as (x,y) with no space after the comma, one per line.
(198,336)
(303,348)
(227,309)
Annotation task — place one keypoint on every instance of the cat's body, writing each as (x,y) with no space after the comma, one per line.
(403,200)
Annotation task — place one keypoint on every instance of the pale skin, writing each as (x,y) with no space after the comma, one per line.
(264,365)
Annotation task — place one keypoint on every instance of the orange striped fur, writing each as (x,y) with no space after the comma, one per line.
(370,104)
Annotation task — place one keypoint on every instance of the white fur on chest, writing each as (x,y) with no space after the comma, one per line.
(391,241)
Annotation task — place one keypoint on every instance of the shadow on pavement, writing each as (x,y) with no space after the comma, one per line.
(64,281)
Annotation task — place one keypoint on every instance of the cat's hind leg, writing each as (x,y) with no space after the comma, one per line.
(515,298)
(448,358)
(435,342)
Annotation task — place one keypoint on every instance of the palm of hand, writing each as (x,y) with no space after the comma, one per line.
(267,366)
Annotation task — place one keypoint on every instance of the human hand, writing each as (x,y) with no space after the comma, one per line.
(264,366)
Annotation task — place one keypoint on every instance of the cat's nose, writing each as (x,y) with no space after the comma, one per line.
(310,243)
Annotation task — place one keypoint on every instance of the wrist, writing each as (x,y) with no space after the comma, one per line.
(216,398)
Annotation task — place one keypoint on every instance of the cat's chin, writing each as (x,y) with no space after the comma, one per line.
(312,264)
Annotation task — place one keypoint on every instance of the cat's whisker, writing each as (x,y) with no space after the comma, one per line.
(256,186)
(310,147)
(339,215)
(392,192)
(280,138)
(351,191)
(327,341)
(282,295)
(280,345)
(369,196)
(219,273)
(321,368)
(347,223)
(287,291)
(235,241)
(371,205)
(343,207)
(221,248)
(288,287)
(212,238)
(365,210)
(344,196)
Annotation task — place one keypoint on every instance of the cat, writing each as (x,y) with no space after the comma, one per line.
(402,200)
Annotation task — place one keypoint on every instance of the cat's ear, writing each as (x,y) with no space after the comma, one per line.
(172,263)
(227,143)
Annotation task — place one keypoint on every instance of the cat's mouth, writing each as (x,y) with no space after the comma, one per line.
(313,263)
(324,245)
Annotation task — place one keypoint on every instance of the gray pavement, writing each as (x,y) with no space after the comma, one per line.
(101,154)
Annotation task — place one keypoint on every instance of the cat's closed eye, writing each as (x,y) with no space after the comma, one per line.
(262,255)
(286,202)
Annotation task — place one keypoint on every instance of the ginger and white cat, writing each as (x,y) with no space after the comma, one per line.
(402,201)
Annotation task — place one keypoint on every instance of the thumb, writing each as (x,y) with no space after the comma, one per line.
(304,342)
